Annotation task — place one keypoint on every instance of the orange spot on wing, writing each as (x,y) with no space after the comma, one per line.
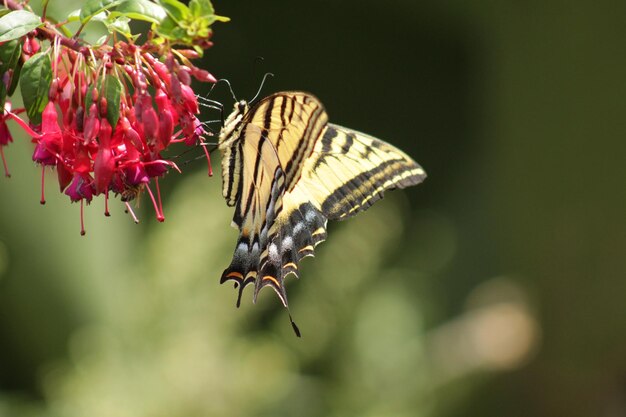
(271,278)
(234,275)
(290,265)
(306,249)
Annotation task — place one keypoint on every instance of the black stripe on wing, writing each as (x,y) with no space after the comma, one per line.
(351,170)
(292,122)
(362,190)
(244,266)
(231,176)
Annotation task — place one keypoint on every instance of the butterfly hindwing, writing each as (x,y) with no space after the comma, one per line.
(298,230)
(287,171)
(257,205)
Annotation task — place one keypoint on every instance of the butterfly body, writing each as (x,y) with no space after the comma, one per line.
(286,170)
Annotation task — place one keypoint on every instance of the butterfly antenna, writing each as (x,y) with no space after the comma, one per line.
(230,87)
(258,61)
(267,74)
(225,81)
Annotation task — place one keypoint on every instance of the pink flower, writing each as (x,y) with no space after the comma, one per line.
(80,188)
(51,140)
(104,164)
(5,139)
(156,107)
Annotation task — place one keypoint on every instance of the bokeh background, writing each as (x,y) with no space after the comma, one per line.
(495,288)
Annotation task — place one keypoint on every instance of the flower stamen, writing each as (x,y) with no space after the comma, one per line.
(82,217)
(42,201)
(159,215)
(130,211)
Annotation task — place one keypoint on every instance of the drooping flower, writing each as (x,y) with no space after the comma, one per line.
(112,112)
(5,139)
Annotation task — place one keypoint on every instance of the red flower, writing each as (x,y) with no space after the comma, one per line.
(80,188)
(155,108)
(5,139)
(50,143)
(104,164)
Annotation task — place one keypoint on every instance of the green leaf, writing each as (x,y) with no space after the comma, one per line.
(200,8)
(169,29)
(17,23)
(120,25)
(141,10)
(16,77)
(100,17)
(187,24)
(10,53)
(222,19)
(112,91)
(93,7)
(74,16)
(35,84)
(176,10)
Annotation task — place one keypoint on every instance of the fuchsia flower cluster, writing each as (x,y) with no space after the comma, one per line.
(109,117)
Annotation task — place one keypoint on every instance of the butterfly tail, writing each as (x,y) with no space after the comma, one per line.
(242,269)
(302,230)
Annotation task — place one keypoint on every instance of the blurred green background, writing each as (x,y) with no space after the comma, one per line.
(495,288)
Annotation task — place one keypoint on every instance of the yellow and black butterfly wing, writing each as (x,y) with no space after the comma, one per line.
(257,203)
(263,154)
(350,170)
(284,156)
(291,122)
(345,174)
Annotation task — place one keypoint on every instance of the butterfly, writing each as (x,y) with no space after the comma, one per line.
(287,171)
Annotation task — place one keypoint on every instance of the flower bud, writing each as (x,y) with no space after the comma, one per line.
(150,122)
(203,75)
(189,99)
(103,107)
(189,53)
(183,75)
(166,129)
(92,124)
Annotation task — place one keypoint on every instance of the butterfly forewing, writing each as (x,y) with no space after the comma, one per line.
(294,171)
(291,122)
(350,170)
